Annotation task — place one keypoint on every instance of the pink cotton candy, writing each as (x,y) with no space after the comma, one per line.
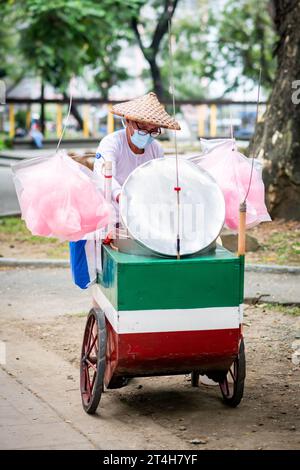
(59,198)
(232,172)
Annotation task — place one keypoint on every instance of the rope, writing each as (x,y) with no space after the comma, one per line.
(231,129)
(256,121)
(68,115)
(177,187)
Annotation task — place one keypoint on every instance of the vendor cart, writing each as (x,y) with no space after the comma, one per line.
(155,316)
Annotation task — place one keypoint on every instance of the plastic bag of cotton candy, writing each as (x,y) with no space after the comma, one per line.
(232,171)
(59,198)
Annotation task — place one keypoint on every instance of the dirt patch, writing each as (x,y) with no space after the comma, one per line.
(268,417)
(16,241)
(279,243)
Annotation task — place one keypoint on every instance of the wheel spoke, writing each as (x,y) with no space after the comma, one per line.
(90,331)
(88,389)
(91,365)
(227,388)
(235,369)
(93,381)
(91,346)
(232,374)
(87,336)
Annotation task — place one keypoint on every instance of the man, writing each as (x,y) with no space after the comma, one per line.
(130,147)
(126,149)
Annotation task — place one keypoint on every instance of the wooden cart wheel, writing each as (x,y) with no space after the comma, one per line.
(232,386)
(92,364)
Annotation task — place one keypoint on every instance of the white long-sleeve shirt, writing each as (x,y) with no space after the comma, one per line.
(114,147)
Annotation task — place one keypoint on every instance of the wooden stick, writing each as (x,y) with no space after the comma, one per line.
(242,230)
(107,172)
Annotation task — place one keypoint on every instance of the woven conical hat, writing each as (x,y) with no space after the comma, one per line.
(146,109)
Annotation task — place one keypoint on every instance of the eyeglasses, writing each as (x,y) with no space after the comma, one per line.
(144,132)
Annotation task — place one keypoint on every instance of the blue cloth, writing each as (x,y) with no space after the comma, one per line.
(82,263)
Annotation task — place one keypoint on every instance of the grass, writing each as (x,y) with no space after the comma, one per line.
(78,315)
(285,247)
(280,244)
(5,141)
(14,233)
(293,310)
(16,227)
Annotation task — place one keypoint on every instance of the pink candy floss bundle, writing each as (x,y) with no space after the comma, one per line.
(58,197)
(232,172)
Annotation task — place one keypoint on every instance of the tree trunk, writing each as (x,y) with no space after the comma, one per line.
(277,138)
(151,52)
(42,117)
(156,79)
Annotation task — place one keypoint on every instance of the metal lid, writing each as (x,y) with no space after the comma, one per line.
(149,211)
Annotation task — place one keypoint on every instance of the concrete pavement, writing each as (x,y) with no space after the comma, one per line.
(281,288)
(21,288)
(28,422)
(8,198)
(32,292)
(49,386)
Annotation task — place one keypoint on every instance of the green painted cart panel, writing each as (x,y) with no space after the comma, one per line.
(144,283)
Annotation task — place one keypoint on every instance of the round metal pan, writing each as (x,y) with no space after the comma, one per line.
(149,210)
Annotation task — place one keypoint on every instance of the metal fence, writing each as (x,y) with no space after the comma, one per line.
(198,118)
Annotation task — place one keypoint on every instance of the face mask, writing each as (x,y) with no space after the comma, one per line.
(141,141)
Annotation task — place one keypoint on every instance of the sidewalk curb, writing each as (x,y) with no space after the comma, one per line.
(272,268)
(261,268)
(36,263)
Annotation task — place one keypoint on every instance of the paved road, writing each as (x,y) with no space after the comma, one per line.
(29,153)
(280,288)
(8,198)
(29,290)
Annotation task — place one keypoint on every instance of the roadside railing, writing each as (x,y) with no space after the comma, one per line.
(200,118)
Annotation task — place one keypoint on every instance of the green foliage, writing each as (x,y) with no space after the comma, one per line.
(210,44)
(20,118)
(59,38)
(245,42)
(193,60)
(69,35)
(11,59)
(5,142)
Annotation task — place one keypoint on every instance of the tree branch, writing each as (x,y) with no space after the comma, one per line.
(162,25)
(134,25)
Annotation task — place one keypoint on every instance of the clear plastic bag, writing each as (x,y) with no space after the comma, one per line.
(209,144)
(232,171)
(59,198)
